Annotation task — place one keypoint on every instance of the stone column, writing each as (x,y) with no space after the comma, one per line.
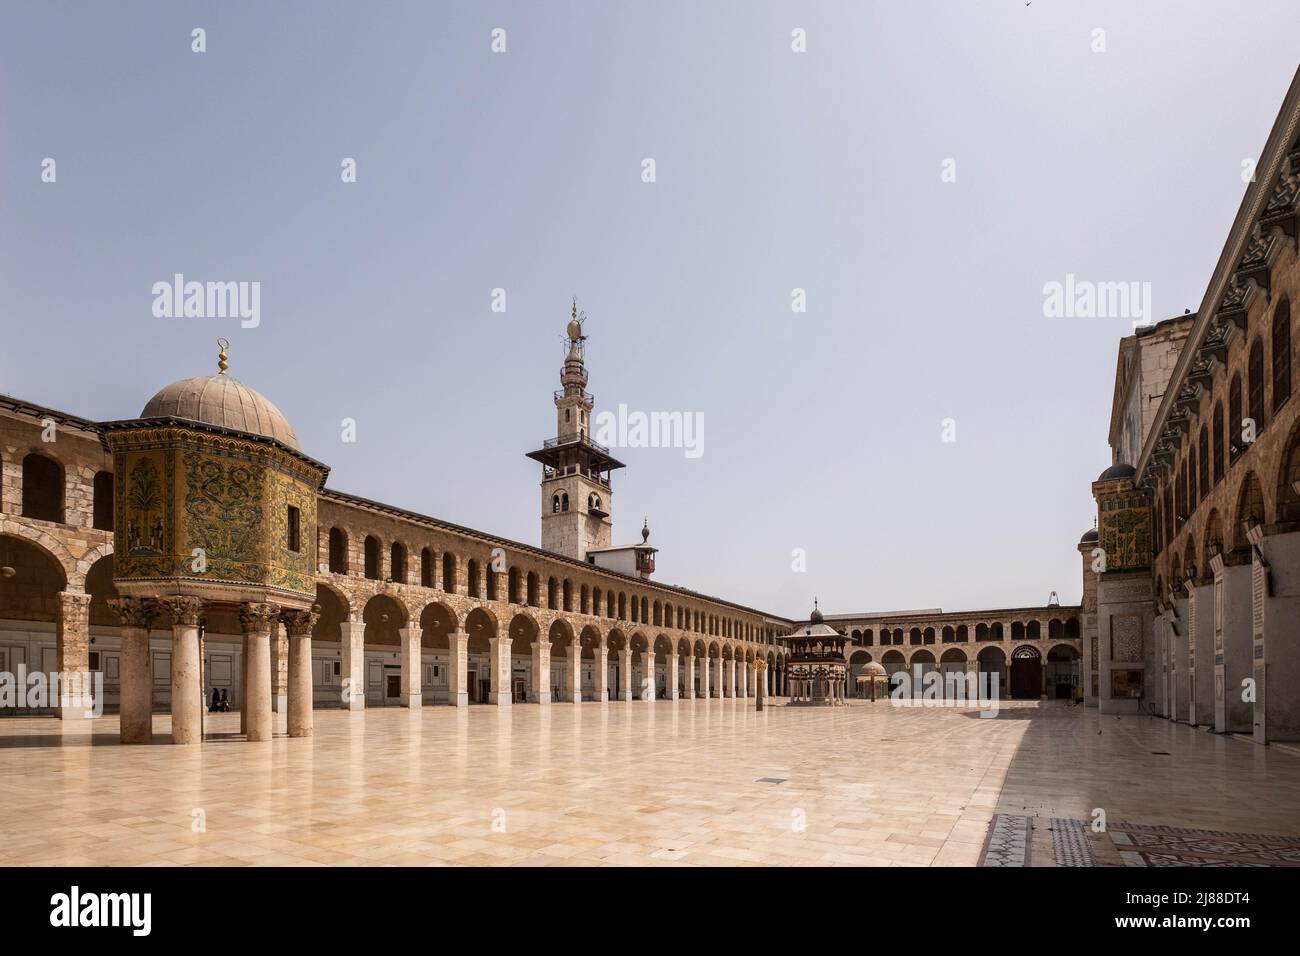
(1200,652)
(499,671)
(457,668)
(729,677)
(746,678)
(673,675)
(625,672)
(135,723)
(409,654)
(187,674)
(76,694)
(649,682)
(297,626)
(279,669)
(352,634)
(540,692)
(600,653)
(690,675)
(258,622)
(1232,639)
(705,690)
(575,671)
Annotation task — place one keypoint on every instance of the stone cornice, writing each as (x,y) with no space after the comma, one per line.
(1246,248)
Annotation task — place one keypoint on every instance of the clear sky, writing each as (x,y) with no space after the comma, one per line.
(522,170)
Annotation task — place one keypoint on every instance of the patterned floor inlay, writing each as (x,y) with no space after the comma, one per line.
(1008,841)
(1070,843)
(1141,845)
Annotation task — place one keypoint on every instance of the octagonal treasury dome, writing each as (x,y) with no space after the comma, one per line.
(224,402)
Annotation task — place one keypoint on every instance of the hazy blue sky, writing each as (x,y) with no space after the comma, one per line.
(522,170)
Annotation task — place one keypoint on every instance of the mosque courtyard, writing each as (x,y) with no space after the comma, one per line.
(702,782)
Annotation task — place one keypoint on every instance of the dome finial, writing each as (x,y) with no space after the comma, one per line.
(645,529)
(223,357)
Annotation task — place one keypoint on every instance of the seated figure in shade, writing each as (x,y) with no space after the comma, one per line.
(215,703)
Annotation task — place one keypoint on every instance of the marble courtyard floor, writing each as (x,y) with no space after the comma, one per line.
(690,782)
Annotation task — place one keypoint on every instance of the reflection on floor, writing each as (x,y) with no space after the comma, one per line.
(687,782)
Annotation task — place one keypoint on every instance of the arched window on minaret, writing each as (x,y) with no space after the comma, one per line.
(555,504)
(564,501)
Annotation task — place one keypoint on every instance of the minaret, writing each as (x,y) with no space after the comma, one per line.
(577,498)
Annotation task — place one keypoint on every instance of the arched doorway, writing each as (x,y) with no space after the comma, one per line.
(1026,673)
(481,631)
(384,618)
(1062,671)
(993,662)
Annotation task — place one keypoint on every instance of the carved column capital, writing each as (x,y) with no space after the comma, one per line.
(300,623)
(135,612)
(183,608)
(257,618)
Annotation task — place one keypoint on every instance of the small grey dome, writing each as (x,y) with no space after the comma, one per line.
(1117,471)
(222,401)
(1090,536)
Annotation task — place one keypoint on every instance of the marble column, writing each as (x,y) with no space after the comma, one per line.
(673,676)
(625,673)
(690,676)
(729,677)
(540,691)
(135,669)
(457,668)
(706,690)
(187,672)
(258,621)
(409,654)
(1182,675)
(600,670)
(76,693)
(499,671)
(279,669)
(297,626)
(649,683)
(352,635)
(575,671)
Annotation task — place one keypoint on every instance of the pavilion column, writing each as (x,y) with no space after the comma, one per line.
(649,682)
(298,626)
(499,671)
(76,700)
(409,653)
(600,672)
(575,671)
(258,621)
(673,675)
(625,672)
(135,723)
(705,691)
(353,636)
(457,666)
(540,692)
(690,676)
(187,686)
(279,669)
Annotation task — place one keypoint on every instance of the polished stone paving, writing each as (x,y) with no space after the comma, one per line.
(643,784)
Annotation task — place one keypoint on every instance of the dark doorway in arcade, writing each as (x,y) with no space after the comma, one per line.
(1026,674)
